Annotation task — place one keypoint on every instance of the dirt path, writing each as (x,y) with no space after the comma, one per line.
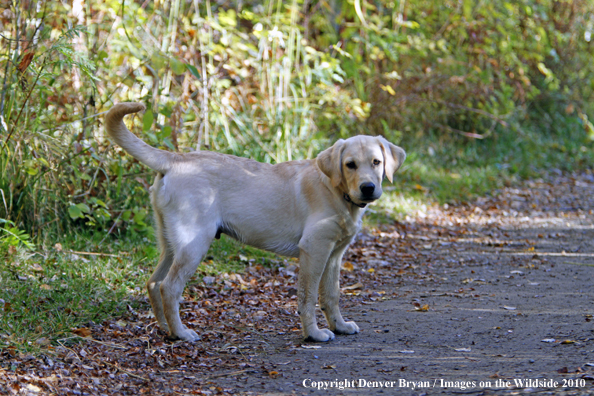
(470,299)
(508,295)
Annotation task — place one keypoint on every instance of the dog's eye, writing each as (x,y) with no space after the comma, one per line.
(351,165)
(376,162)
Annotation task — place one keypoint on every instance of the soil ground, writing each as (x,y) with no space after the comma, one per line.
(490,297)
(509,299)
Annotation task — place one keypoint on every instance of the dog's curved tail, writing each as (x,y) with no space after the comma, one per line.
(158,160)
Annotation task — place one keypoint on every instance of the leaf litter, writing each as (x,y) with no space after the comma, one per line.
(241,317)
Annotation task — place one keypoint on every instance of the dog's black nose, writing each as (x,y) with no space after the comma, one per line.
(367,189)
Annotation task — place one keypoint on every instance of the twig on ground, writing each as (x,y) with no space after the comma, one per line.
(125,371)
(99,254)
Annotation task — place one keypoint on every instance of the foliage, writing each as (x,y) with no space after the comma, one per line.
(484,91)
(12,236)
(461,67)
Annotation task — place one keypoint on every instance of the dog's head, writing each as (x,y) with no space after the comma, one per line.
(357,166)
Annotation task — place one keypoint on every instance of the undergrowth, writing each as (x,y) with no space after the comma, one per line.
(439,171)
(49,292)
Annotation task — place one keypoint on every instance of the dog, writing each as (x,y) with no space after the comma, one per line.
(310,209)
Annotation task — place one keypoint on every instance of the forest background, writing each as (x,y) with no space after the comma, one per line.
(479,94)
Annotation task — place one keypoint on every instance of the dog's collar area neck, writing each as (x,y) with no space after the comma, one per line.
(348,199)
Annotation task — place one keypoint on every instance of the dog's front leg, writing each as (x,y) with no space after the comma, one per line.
(329,296)
(313,257)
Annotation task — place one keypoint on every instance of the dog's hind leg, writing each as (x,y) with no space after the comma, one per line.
(187,257)
(154,283)
(165,261)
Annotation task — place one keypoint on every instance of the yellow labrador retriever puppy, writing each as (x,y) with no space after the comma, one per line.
(309,209)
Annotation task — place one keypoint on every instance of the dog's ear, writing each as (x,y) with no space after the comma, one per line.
(330,162)
(394,156)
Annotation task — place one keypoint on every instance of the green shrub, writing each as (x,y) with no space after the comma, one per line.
(277,81)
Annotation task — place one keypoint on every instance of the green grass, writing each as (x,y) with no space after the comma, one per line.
(45,295)
(445,169)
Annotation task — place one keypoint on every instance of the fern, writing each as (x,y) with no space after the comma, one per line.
(12,236)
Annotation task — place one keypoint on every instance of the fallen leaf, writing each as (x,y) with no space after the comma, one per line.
(568,342)
(37,267)
(548,340)
(82,332)
(329,366)
(34,389)
(348,266)
(509,308)
(356,286)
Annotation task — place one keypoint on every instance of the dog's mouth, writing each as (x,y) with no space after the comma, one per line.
(366,202)
(369,199)
(360,201)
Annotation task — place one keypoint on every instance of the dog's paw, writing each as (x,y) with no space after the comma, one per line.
(164,328)
(347,328)
(319,335)
(186,335)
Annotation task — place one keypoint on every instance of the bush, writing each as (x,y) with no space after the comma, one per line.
(273,82)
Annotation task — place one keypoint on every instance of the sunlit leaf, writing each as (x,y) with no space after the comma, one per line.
(178,67)
(75,212)
(147,120)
